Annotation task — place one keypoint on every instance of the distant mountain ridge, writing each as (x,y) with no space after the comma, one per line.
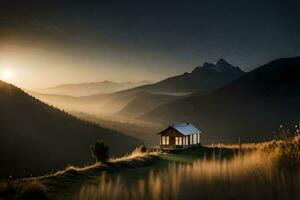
(222,66)
(92,88)
(36,138)
(203,78)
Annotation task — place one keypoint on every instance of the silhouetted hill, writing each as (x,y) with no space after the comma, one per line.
(86,89)
(203,78)
(36,138)
(250,107)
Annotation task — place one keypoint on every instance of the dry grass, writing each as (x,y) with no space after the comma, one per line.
(36,187)
(33,190)
(137,153)
(270,171)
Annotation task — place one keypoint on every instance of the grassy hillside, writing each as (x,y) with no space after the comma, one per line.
(251,107)
(37,138)
(264,171)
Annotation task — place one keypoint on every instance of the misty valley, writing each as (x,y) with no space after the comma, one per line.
(149,100)
(50,133)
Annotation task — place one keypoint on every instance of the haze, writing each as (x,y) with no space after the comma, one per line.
(50,43)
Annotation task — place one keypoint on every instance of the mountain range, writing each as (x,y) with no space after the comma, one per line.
(203,78)
(222,100)
(36,138)
(250,107)
(141,99)
(86,89)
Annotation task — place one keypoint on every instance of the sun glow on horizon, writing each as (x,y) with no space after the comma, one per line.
(7,75)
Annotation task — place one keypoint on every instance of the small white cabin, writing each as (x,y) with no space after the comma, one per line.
(179,135)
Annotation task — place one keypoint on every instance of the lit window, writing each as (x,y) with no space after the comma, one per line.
(167,140)
(163,138)
(176,141)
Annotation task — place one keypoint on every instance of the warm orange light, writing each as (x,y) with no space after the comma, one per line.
(7,75)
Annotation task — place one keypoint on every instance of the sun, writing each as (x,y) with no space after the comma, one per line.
(7,75)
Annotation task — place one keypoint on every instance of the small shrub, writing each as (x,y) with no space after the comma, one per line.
(99,151)
(139,150)
(142,148)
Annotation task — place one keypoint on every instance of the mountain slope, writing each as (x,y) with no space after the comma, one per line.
(145,102)
(36,138)
(250,107)
(86,89)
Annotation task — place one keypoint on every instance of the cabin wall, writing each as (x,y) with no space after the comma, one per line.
(168,137)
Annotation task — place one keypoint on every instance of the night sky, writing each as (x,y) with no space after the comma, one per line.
(83,41)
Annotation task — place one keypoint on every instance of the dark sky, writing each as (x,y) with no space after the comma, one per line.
(157,38)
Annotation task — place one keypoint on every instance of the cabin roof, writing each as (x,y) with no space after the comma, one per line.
(186,128)
(183,128)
